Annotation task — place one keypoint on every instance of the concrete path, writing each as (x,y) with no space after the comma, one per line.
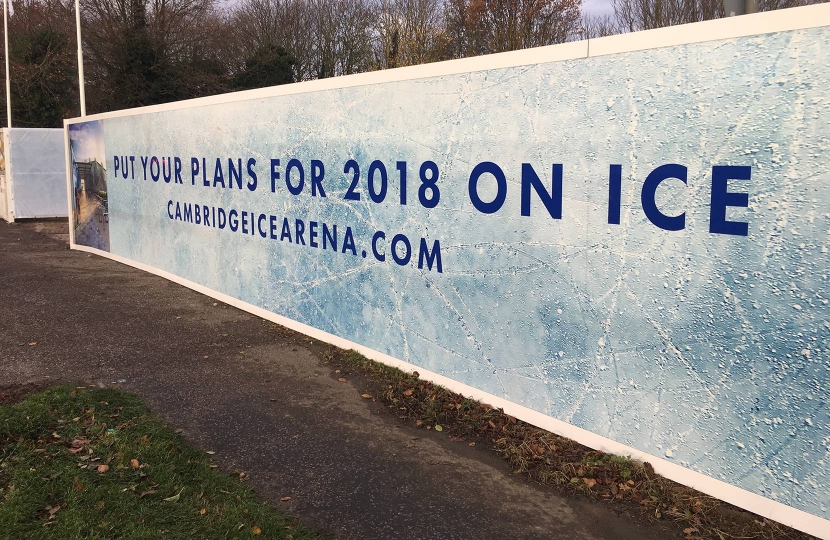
(264,399)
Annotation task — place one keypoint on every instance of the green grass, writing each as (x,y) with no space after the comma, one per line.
(51,447)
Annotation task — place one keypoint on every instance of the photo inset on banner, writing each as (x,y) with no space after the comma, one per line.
(90,212)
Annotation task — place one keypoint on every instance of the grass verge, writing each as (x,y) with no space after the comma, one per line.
(93,463)
(553,460)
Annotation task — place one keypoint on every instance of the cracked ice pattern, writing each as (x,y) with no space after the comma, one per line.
(711,350)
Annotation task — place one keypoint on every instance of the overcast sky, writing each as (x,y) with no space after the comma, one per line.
(597,7)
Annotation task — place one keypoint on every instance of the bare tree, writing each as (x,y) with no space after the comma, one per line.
(772,5)
(408,32)
(485,26)
(594,26)
(286,23)
(343,37)
(140,52)
(633,15)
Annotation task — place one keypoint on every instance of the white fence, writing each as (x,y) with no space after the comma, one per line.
(32,174)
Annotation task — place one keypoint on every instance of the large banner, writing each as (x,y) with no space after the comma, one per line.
(634,244)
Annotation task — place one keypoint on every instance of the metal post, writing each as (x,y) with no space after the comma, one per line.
(80,58)
(8,85)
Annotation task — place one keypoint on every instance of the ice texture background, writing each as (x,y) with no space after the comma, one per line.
(707,350)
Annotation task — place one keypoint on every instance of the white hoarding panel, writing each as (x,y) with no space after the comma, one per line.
(37,171)
(629,249)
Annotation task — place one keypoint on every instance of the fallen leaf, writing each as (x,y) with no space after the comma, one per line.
(103,468)
(32,343)
(134,464)
(203,511)
(256,531)
(366,396)
(175,497)
(285,499)
(409,392)
(337,371)
(438,427)
(341,379)
(471,444)
(418,422)
(210,452)
(80,442)
(100,505)
(146,493)
(590,482)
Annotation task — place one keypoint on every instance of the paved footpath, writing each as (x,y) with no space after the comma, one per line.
(265,401)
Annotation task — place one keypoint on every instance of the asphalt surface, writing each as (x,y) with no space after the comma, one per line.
(267,402)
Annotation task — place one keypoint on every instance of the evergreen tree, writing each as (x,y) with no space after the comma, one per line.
(270,65)
(44,87)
